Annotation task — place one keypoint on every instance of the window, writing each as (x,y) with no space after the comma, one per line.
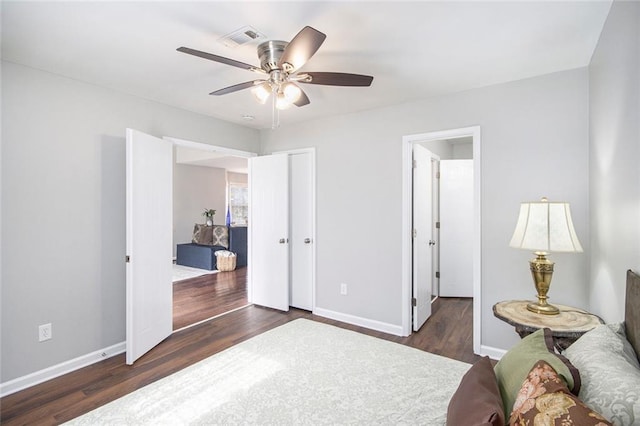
(238,204)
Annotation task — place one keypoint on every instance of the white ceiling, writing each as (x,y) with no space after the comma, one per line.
(414,50)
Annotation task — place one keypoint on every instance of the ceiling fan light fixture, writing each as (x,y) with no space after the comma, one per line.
(291,92)
(262,92)
(280,61)
(282,102)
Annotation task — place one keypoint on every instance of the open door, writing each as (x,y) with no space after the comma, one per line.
(422,236)
(456,249)
(269,231)
(149,242)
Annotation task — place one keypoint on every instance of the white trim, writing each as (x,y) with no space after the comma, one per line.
(407,146)
(65,367)
(491,352)
(384,327)
(213,148)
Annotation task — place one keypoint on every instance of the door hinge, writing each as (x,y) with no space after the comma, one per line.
(437,274)
(437,225)
(414,234)
(415,164)
(127,259)
(414,302)
(437,175)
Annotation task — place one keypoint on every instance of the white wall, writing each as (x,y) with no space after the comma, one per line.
(442,148)
(196,188)
(534,143)
(614,88)
(463,151)
(63,209)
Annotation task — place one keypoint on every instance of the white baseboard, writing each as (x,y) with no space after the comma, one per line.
(54,371)
(359,321)
(491,352)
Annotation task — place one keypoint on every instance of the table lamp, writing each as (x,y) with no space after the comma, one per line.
(544,227)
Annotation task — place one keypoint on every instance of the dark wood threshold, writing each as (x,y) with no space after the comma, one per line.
(201,298)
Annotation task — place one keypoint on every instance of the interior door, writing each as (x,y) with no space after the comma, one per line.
(456,231)
(422,238)
(149,224)
(435,226)
(301,218)
(269,231)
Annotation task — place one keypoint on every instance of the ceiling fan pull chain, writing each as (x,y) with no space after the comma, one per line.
(275,112)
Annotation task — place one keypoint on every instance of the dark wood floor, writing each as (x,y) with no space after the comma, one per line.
(204,297)
(448,332)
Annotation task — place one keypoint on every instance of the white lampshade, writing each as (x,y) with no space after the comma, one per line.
(282,102)
(262,92)
(545,227)
(291,92)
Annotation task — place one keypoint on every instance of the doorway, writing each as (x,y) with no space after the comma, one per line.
(431,140)
(209,177)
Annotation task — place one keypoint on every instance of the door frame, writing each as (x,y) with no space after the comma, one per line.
(407,191)
(312,152)
(229,151)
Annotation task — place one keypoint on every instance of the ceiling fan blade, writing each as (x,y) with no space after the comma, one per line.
(302,100)
(237,87)
(301,48)
(338,79)
(221,59)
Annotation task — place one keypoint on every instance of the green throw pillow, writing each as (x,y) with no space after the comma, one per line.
(515,365)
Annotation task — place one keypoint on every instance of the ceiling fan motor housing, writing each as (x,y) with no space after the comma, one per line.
(270,53)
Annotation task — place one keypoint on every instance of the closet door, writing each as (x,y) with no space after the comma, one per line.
(301,171)
(269,231)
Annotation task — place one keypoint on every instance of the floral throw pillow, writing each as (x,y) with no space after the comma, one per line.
(202,234)
(220,236)
(544,399)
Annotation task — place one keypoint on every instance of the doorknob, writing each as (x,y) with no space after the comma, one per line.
(307,240)
(432,243)
(283,240)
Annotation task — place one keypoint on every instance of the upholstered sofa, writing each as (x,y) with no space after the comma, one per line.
(207,240)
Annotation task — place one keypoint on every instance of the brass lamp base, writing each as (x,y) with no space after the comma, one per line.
(545,309)
(542,272)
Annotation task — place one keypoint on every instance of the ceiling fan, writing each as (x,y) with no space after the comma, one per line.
(279,65)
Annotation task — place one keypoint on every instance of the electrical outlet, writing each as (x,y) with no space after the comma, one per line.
(343,289)
(44,332)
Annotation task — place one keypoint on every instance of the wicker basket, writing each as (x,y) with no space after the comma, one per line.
(225,263)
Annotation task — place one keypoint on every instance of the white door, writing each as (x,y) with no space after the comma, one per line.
(435,226)
(456,228)
(301,171)
(269,231)
(149,226)
(422,239)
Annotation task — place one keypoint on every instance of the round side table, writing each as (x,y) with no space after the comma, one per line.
(566,327)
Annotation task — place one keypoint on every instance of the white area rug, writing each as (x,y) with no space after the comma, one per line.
(303,372)
(185,272)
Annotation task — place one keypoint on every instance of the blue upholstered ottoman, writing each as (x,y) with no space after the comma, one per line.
(238,244)
(197,256)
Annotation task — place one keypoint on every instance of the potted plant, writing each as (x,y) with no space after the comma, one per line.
(208,213)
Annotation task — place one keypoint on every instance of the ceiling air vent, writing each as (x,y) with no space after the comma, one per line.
(242,36)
